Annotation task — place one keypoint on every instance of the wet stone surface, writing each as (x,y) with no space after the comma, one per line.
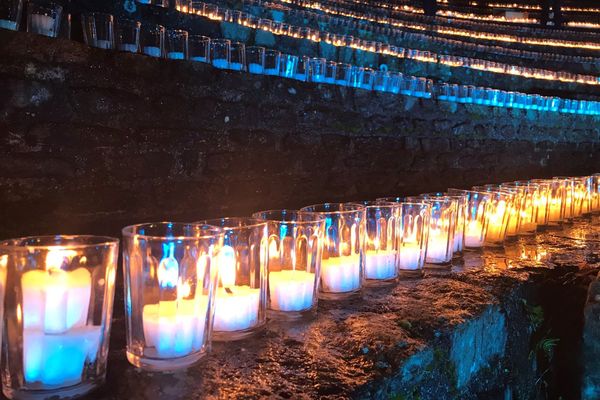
(462,333)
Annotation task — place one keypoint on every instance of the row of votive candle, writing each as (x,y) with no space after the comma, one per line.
(189,283)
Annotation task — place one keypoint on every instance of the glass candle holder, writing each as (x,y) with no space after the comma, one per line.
(440,239)
(220,53)
(238,56)
(127,33)
(542,200)
(272,61)
(199,48)
(44,18)
(318,67)
(303,69)
(595,197)
(98,30)
(497,214)
(330,71)
(170,275)
(288,65)
(475,217)
(176,44)
(255,57)
(153,40)
(459,225)
(57,314)
(342,267)
(556,197)
(241,295)
(568,199)
(294,261)
(10,14)
(381,242)
(580,196)
(528,209)
(414,228)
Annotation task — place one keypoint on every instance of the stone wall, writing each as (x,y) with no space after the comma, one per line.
(91,140)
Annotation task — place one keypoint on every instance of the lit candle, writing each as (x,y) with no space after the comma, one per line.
(474,236)
(43,25)
(410,256)
(236,66)
(437,247)
(340,274)
(291,290)
(236,307)
(7,24)
(130,47)
(176,55)
(175,328)
(103,44)
(554,210)
(380,264)
(254,68)
(199,59)
(220,63)
(57,342)
(152,51)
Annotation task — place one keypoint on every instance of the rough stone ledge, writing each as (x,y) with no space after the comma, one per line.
(472,332)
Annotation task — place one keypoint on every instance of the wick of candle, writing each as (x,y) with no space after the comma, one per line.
(228,290)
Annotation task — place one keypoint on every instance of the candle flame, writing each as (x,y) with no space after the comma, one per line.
(57,257)
(227,266)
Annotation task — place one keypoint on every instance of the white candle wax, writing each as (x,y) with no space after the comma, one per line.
(291,290)
(236,66)
(236,308)
(380,264)
(220,63)
(144,1)
(7,24)
(340,274)
(554,212)
(152,51)
(103,44)
(271,71)
(437,248)
(199,59)
(255,68)
(176,55)
(43,25)
(410,255)
(175,328)
(130,47)
(55,301)
(58,360)
(474,234)
(494,231)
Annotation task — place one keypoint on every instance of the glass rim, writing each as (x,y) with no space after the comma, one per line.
(356,208)
(414,203)
(211,231)
(98,14)
(314,216)
(215,222)
(100,241)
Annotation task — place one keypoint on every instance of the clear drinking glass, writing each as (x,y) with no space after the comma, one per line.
(241,295)
(170,276)
(220,53)
(153,40)
(44,18)
(127,35)
(342,267)
(413,231)
(199,48)
(176,44)
(10,14)
(295,248)
(57,314)
(98,30)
